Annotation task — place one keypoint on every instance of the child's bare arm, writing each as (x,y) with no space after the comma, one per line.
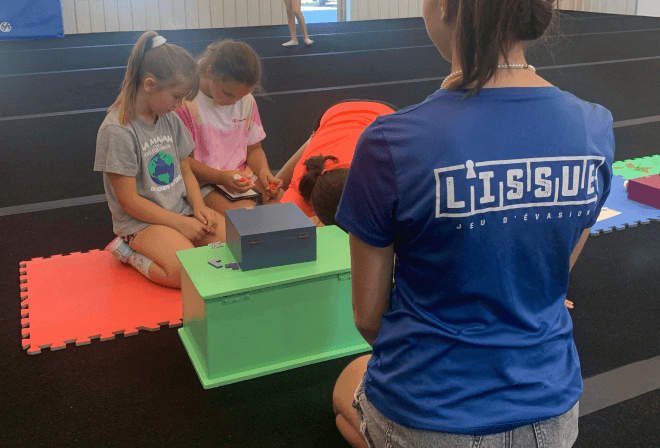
(203,172)
(194,198)
(204,214)
(286,173)
(574,257)
(207,175)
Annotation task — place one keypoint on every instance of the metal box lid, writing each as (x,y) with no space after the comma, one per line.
(269,221)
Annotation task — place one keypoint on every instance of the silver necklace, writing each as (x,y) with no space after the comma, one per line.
(453,75)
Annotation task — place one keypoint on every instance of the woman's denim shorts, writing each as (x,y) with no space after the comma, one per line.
(380,432)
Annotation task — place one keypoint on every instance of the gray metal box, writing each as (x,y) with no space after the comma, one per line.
(270,235)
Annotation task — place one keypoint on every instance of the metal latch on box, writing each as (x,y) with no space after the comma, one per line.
(345,276)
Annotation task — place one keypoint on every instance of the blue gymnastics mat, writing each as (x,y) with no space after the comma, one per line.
(631,213)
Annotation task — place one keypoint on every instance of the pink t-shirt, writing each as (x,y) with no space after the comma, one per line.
(222,134)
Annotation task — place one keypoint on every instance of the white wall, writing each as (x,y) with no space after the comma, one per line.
(648,8)
(390,9)
(607,6)
(97,16)
(383,9)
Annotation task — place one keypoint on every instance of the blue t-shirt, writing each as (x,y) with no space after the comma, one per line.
(484,200)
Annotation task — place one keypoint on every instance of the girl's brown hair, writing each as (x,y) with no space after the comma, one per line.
(168,64)
(323,190)
(232,61)
(486,29)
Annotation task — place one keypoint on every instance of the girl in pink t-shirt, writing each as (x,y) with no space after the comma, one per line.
(224,122)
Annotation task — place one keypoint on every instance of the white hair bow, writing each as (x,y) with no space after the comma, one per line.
(157,41)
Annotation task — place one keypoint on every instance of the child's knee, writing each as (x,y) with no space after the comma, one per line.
(173,272)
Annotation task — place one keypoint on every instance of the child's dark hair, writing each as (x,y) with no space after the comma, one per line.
(323,189)
(168,64)
(487,29)
(232,61)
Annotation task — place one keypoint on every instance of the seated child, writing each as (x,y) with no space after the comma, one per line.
(314,177)
(142,149)
(224,123)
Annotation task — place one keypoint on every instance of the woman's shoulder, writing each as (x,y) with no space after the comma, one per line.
(589,107)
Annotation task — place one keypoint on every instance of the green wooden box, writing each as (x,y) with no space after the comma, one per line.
(240,325)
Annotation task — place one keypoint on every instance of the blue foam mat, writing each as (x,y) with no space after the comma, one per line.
(632,213)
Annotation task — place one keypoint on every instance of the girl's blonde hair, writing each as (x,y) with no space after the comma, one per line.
(168,64)
(232,61)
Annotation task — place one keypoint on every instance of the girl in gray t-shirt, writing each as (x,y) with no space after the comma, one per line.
(142,149)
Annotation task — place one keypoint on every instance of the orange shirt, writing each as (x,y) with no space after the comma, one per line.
(337,135)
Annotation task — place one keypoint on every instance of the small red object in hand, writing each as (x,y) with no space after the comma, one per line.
(243,179)
(273,186)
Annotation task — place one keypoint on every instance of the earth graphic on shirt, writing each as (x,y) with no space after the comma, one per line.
(161,168)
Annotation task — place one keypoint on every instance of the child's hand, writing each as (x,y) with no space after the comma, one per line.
(191,228)
(271,184)
(208,217)
(569,304)
(236,182)
(246,172)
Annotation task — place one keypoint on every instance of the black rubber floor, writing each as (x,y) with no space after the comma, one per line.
(143,390)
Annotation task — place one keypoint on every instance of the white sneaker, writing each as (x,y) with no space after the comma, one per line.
(120,249)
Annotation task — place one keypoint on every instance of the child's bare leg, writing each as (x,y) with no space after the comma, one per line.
(342,399)
(220,204)
(297,10)
(160,243)
(291,18)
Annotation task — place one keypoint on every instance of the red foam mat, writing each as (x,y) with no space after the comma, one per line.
(83,296)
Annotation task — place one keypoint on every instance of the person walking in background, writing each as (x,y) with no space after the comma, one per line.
(293,11)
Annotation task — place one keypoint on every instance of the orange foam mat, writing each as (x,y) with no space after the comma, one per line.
(83,296)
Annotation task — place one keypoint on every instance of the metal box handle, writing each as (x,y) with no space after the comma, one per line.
(302,236)
(254,242)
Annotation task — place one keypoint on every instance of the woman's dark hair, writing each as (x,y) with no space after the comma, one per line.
(323,189)
(486,29)
(232,61)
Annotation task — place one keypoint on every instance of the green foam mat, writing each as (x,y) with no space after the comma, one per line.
(634,168)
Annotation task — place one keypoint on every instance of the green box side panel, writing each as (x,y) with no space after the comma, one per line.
(194,318)
(280,325)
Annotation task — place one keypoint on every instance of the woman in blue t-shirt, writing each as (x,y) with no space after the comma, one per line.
(483,195)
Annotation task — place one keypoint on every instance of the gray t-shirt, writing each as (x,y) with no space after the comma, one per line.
(151,153)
